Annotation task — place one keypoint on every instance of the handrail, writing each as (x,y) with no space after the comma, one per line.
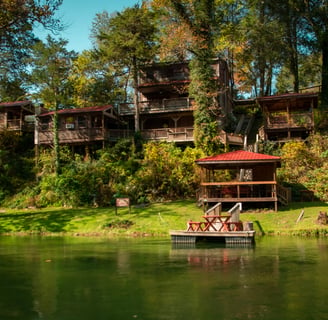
(235,211)
(216,209)
(236,183)
(283,194)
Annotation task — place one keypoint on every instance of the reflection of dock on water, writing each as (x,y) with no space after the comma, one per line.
(216,226)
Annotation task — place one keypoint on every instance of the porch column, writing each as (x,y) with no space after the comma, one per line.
(175,120)
(6,120)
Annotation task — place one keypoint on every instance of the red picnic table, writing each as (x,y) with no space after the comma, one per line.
(215,223)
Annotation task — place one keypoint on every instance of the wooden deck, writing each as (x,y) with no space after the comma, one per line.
(83,135)
(158,106)
(217,226)
(289,120)
(229,237)
(185,134)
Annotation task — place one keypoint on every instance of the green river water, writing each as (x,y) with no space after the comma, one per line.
(59,278)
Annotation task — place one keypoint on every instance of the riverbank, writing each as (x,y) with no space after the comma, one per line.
(153,220)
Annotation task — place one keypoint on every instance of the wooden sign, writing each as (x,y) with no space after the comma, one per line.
(122,203)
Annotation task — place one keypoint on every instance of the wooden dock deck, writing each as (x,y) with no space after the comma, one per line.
(228,237)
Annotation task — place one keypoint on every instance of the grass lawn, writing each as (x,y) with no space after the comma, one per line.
(155,220)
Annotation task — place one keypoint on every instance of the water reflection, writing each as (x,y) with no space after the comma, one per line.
(79,278)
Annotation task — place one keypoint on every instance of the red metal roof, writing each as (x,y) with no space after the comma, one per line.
(239,155)
(15,103)
(289,96)
(78,110)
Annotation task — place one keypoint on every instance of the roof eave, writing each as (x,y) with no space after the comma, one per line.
(238,162)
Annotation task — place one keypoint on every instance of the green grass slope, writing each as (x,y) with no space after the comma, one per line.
(153,220)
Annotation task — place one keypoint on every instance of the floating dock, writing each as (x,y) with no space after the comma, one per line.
(229,237)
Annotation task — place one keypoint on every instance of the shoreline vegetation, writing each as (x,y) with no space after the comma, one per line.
(154,220)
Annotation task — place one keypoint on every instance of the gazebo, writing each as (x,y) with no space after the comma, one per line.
(240,176)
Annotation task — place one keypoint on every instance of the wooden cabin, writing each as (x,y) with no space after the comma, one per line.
(288,116)
(166,110)
(81,126)
(17,116)
(241,176)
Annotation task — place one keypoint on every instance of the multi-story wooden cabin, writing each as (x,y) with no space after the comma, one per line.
(17,116)
(165,108)
(288,116)
(81,126)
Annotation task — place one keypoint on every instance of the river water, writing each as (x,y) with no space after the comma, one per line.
(93,278)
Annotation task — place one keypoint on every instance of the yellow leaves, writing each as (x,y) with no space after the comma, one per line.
(294,150)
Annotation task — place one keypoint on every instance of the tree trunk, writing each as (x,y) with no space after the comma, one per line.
(135,95)
(324,72)
(293,60)
(56,140)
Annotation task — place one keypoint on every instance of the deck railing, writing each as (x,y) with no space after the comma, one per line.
(293,120)
(169,134)
(247,191)
(284,194)
(163,76)
(83,135)
(164,105)
(183,134)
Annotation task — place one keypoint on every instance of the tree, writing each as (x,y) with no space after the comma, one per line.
(17,20)
(127,39)
(202,19)
(263,44)
(94,81)
(316,14)
(51,65)
(309,71)
(175,37)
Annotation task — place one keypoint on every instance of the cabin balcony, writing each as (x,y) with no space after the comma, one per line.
(163,76)
(158,106)
(82,135)
(291,120)
(185,134)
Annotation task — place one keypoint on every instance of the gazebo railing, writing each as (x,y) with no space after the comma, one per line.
(246,190)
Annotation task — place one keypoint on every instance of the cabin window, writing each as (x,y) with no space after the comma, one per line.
(69,123)
(82,122)
(13,120)
(45,123)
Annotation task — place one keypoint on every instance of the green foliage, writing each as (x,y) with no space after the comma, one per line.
(50,66)
(305,164)
(207,112)
(16,163)
(167,172)
(94,81)
(17,20)
(125,35)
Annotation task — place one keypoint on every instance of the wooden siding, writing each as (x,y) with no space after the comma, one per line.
(231,138)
